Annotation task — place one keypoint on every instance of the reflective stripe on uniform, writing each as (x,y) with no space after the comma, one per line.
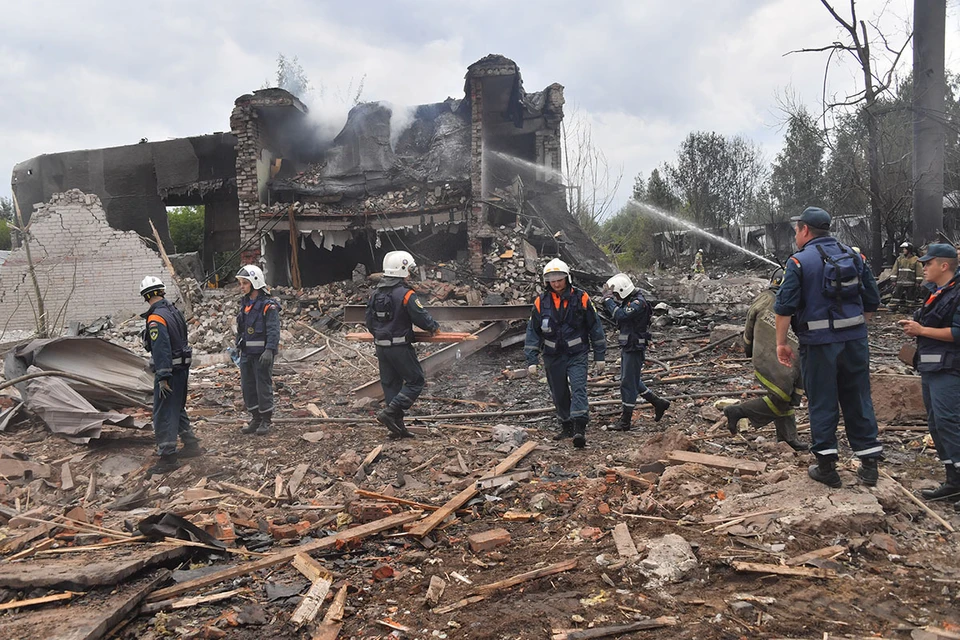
(389,342)
(574,342)
(867,452)
(772,387)
(826,452)
(550,343)
(181,360)
(774,410)
(255,343)
(931,357)
(842,323)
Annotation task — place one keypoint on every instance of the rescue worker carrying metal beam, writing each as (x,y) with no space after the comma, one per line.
(936,326)
(784,385)
(165,339)
(907,277)
(391,313)
(828,296)
(631,311)
(258,340)
(563,327)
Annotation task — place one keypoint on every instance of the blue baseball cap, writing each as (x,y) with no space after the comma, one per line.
(814,217)
(939,251)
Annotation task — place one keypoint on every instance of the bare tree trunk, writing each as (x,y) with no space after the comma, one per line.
(41,317)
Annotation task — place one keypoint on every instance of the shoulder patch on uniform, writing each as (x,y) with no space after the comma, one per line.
(154,333)
(417,301)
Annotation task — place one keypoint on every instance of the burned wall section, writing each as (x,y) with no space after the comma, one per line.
(86,269)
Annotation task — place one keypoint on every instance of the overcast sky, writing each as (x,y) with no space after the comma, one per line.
(644,73)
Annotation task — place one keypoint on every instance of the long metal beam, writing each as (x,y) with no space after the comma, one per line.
(442,359)
(482,313)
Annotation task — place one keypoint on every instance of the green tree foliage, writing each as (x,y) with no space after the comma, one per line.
(797,177)
(291,76)
(6,208)
(716,178)
(5,242)
(186,228)
(659,193)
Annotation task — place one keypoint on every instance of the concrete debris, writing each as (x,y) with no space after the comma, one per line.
(668,559)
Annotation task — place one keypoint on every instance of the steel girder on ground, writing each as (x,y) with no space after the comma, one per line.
(445,357)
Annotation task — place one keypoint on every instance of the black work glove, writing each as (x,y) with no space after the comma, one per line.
(266,358)
(165,388)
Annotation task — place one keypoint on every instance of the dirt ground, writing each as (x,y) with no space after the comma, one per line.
(896,569)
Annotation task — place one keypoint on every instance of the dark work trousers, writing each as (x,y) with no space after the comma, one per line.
(771,408)
(170,414)
(567,378)
(401,375)
(631,386)
(256,381)
(941,392)
(905,294)
(838,374)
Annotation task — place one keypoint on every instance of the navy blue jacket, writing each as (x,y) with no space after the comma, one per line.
(818,319)
(258,325)
(633,317)
(939,311)
(165,338)
(564,324)
(392,312)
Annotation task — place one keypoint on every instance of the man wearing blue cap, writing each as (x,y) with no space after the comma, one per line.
(828,294)
(936,326)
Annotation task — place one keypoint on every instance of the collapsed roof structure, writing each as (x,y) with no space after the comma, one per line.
(439,179)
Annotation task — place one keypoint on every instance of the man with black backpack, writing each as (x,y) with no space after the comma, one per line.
(828,294)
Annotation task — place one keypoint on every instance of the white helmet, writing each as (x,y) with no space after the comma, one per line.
(905,245)
(254,274)
(398,264)
(556,269)
(151,285)
(622,285)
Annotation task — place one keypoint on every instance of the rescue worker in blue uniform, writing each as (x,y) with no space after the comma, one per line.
(563,327)
(391,314)
(936,326)
(625,303)
(783,385)
(258,341)
(165,339)
(828,294)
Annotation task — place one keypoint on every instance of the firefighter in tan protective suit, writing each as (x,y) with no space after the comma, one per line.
(907,277)
(784,385)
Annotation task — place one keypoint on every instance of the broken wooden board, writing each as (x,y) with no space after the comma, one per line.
(745,467)
(81,572)
(23,469)
(624,541)
(293,485)
(432,521)
(783,570)
(310,605)
(355,533)
(606,632)
(419,336)
(496,481)
(32,602)
(91,616)
(500,585)
(816,554)
(329,629)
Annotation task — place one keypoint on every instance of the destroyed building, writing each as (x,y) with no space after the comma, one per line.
(439,180)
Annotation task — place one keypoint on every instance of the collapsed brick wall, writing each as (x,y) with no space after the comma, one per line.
(85,268)
(245,125)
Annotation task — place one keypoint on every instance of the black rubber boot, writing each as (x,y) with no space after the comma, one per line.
(787,432)
(660,405)
(825,471)
(624,423)
(733,414)
(192,450)
(948,490)
(868,471)
(166,464)
(392,418)
(404,432)
(253,425)
(797,445)
(566,431)
(264,427)
(580,433)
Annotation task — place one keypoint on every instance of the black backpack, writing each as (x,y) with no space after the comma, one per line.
(841,274)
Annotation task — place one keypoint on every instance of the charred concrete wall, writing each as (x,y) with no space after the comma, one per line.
(86,269)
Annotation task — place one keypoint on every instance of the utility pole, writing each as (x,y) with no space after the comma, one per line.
(929,88)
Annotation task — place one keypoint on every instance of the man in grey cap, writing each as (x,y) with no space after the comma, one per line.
(936,326)
(827,296)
